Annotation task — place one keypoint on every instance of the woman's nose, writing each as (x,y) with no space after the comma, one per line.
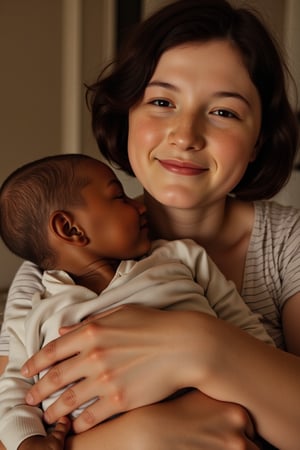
(187,134)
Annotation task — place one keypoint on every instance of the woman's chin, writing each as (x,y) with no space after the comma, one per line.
(177,198)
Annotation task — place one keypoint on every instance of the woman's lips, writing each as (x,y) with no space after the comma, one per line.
(182,167)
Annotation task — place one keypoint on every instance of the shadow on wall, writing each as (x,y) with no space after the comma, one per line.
(289,195)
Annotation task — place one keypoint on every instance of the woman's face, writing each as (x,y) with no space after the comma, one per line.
(194,132)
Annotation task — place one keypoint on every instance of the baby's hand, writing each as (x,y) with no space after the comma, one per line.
(54,441)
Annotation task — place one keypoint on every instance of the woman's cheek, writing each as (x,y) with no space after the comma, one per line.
(144,134)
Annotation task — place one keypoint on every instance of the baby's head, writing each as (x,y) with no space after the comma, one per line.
(68,200)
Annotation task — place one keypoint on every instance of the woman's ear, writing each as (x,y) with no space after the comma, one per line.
(63,226)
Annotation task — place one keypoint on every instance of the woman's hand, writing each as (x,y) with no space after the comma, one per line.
(200,422)
(128,358)
(195,421)
(190,422)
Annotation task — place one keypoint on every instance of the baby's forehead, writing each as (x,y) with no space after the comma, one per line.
(104,170)
(93,169)
(94,165)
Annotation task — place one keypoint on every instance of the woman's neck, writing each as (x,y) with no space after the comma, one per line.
(205,225)
(223,229)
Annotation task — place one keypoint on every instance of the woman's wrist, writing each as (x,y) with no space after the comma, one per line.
(197,348)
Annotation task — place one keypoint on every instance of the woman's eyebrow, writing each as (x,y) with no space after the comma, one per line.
(162,84)
(219,94)
(230,94)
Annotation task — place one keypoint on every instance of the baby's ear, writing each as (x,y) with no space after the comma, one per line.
(63,226)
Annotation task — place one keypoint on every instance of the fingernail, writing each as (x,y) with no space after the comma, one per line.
(25,371)
(29,399)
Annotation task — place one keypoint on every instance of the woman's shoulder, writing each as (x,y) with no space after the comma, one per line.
(276,220)
(276,212)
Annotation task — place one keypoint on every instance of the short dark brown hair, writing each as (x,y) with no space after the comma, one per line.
(112,95)
(27,198)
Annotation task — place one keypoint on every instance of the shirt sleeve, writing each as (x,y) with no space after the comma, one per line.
(18,420)
(289,257)
(26,282)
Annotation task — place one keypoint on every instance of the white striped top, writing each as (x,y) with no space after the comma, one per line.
(272,270)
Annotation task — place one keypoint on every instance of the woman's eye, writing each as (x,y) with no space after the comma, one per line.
(162,103)
(225,113)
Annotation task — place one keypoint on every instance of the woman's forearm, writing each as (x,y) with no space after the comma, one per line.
(263,379)
(190,421)
(115,434)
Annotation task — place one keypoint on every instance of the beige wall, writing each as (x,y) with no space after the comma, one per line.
(30,90)
(39,55)
(48,48)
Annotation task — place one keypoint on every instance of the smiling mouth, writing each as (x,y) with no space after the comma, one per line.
(182,167)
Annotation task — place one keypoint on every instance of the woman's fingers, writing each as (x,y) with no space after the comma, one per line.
(53,352)
(106,359)
(58,377)
(73,340)
(65,330)
(82,393)
(92,368)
